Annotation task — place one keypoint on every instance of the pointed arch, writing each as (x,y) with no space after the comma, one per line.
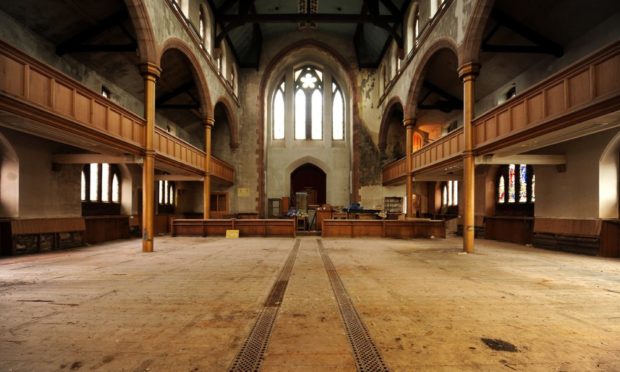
(393,104)
(233,123)
(418,75)
(349,83)
(144,31)
(469,50)
(181,46)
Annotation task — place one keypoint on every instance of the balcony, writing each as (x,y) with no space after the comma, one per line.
(58,107)
(395,172)
(585,90)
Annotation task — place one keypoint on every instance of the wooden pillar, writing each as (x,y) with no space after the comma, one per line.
(468,73)
(150,73)
(208,123)
(409,125)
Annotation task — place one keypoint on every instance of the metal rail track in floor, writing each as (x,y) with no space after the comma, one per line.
(366,354)
(250,357)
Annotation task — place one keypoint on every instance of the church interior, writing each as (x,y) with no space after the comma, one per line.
(277,185)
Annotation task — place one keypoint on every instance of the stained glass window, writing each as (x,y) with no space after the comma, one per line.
(278,112)
(501,190)
(308,103)
(522,183)
(449,192)
(170,195)
(533,188)
(511,183)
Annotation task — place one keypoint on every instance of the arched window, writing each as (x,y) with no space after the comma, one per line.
(516,184)
(202,24)
(311,105)
(450,194)
(100,189)
(166,195)
(278,112)
(337,113)
(308,103)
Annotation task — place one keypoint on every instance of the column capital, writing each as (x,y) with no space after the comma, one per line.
(469,69)
(409,122)
(150,70)
(208,122)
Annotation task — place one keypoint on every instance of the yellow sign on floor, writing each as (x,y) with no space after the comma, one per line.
(232,234)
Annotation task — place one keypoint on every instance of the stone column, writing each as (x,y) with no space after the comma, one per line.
(409,125)
(468,73)
(151,73)
(208,123)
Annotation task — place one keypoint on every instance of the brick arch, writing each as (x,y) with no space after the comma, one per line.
(469,50)
(174,43)
(233,123)
(392,104)
(144,31)
(260,126)
(410,109)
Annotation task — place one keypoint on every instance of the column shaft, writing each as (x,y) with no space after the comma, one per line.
(150,73)
(207,180)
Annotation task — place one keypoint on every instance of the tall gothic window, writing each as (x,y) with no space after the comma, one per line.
(278,112)
(308,103)
(316,100)
(337,113)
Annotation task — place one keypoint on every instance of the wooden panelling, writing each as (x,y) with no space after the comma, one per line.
(579,88)
(442,149)
(47,225)
(607,75)
(585,83)
(246,227)
(106,228)
(395,172)
(566,226)
(509,229)
(419,228)
(610,239)
(35,83)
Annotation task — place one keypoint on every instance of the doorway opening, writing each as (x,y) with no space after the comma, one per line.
(308,180)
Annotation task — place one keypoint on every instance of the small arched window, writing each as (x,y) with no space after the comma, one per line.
(337,113)
(450,194)
(202,24)
(166,192)
(308,103)
(100,183)
(278,111)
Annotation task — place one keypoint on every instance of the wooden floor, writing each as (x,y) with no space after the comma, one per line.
(191,305)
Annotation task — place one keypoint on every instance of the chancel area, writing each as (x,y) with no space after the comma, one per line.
(309,185)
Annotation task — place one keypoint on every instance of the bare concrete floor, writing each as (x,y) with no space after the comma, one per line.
(190,306)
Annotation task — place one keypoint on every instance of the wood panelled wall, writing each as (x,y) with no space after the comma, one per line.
(395,172)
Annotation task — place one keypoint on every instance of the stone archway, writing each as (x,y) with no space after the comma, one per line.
(309,179)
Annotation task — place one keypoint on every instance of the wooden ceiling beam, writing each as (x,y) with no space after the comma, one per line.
(76,42)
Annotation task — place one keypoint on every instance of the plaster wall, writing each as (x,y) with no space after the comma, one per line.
(557,192)
(45,190)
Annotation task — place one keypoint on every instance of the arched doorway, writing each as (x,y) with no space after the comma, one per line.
(311,180)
